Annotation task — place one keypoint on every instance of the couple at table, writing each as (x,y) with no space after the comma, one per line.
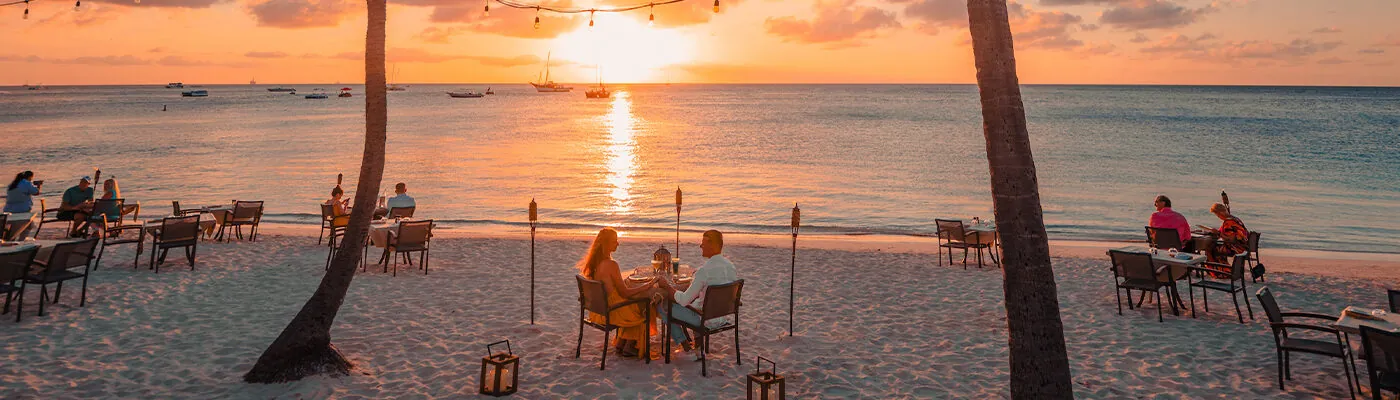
(598,265)
(1233,235)
(340,206)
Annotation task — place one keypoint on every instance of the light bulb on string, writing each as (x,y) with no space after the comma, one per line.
(537,19)
(590,20)
(26,10)
(77,5)
(651,19)
(486,13)
(716,6)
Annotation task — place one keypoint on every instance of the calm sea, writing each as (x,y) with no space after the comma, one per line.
(1310,168)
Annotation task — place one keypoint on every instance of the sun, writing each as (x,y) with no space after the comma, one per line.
(627,50)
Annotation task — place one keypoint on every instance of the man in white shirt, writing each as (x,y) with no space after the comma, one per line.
(716,271)
(401,199)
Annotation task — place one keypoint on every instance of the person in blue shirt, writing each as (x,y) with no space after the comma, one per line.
(19,197)
(77,206)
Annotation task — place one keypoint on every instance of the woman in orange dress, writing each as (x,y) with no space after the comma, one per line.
(1233,235)
(598,265)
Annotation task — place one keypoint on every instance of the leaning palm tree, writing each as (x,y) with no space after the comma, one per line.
(1035,335)
(304,347)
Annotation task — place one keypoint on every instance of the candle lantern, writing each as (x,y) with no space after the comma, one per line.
(534,221)
(661,259)
(771,386)
(500,372)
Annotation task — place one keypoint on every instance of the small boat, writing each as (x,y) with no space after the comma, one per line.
(253,81)
(174,85)
(318,94)
(394,87)
(545,85)
(195,93)
(488,91)
(467,94)
(601,92)
(281,89)
(344,92)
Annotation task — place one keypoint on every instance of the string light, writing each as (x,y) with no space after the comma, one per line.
(590,20)
(77,5)
(716,6)
(537,18)
(651,19)
(26,9)
(487,13)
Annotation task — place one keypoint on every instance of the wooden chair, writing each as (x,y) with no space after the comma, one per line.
(401,212)
(176,232)
(1137,271)
(953,235)
(327,222)
(410,237)
(1256,268)
(593,297)
(13,268)
(1207,283)
(1394,300)
(1164,238)
(720,301)
(4,226)
(44,218)
(57,269)
(180,212)
(1285,346)
(111,235)
(245,213)
(1382,360)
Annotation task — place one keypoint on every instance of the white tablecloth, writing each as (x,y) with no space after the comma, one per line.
(18,222)
(1178,265)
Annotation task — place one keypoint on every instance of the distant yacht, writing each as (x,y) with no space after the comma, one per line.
(195,93)
(488,90)
(318,94)
(281,89)
(174,85)
(466,94)
(545,85)
(601,92)
(253,81)
(395,87)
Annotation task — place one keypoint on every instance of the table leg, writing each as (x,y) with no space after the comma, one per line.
(666,334)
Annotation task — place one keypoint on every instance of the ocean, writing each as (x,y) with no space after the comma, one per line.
(1309,167)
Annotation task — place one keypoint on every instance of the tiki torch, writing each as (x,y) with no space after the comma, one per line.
(792,276)
(678,221)
(1225,199)
(534,221)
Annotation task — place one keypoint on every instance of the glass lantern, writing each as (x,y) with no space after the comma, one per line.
(500,372)
(661,259)
(770,385)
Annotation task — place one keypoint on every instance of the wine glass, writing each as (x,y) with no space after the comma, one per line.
(1171,252)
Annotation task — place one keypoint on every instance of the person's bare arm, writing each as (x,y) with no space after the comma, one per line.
(613,276)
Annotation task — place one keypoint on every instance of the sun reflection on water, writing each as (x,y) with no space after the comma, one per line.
(621,156)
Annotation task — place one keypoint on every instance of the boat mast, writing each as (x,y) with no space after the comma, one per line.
(546,66)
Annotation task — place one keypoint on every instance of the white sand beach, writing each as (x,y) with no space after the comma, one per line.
(874,321)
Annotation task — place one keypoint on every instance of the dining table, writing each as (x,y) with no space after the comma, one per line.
(1352,318)
(16,225)
(206,226)
(679,280)
(45,247)
(1178,268)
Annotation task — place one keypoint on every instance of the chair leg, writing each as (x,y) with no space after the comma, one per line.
(423,260)
(578,349)
(979,258)
(738,357)
(1118,295)
(940,254)
(1205,299)
(1247,307)
(704,355)
(1238,314)
(1278,358)
(19,305)
(1288,365)
(57,292)
(1351,385)
(1191,292)
(604,365)
(1158,293)
(43,295)
(323,233)
(8,296)
(82,298)
(102,248)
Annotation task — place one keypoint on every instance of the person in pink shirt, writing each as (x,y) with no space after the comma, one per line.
(1166,218)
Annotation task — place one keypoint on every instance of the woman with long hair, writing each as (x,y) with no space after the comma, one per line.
(19,196)
(598,265)
(111,190)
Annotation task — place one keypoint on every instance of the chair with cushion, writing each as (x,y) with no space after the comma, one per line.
(1233,283)
(410,237)
(58,268)
(593,298)
(245,213)
(114,234)
(1382,360)
(14,265)
(1164,238)
(1136,271)
(953,235)
(1330,345)
(176,232)
(720,301)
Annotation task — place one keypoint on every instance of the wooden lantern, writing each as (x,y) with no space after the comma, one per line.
(770,385)
(500,372)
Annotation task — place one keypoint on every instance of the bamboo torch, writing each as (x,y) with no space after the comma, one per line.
(792,277)
(678,221)
(534,220)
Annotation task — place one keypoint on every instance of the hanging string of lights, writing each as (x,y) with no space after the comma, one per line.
(651,7)
(77,5)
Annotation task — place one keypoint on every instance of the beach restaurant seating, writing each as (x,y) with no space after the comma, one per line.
(1233,283)
(245,213)
(176,232)
(953,235)
(1285,345)
(593,298)
(1394,300)
(1382,360)
(4,226)
(47,215)
(180,212)
(327,222)
(333,244)
(58,268)
(1164,238)
(13,268)
(411,237)
(720,301)
(1256,268)
(401,212)
(1136,271)
(100,209)
(111,235)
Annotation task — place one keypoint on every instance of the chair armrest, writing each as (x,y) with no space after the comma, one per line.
(1216,264)
(1293,325)
(41,263)
(643,302)
(1192,268)
(1311,315)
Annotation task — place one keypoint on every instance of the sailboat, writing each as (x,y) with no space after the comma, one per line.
(601,92)
(547,86)
(395,87)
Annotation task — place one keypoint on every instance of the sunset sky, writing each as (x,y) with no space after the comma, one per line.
(1291,42)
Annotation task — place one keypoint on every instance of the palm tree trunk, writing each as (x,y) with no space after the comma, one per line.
(304,346)
(1039,364)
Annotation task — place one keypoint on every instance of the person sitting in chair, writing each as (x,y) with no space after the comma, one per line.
(718,270)
(401,199)
(77,206)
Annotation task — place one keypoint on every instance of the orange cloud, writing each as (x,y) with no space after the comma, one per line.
(840,23)
(293,14)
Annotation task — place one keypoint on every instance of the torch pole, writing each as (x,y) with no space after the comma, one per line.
(534,221)
(792,274)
